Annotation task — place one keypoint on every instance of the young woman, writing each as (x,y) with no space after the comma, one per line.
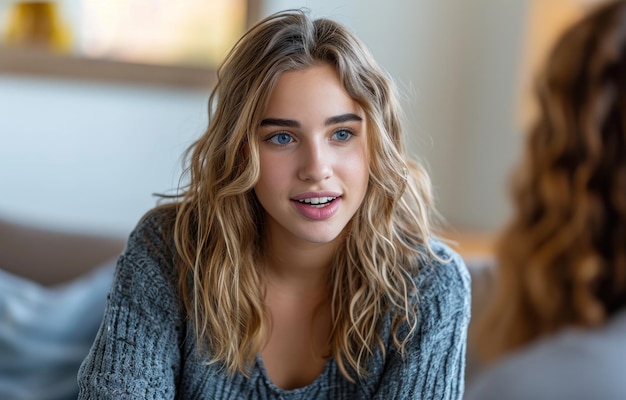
(298,263)
(558,322)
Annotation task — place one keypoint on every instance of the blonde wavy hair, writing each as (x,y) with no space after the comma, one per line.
(219,221)
(562,259)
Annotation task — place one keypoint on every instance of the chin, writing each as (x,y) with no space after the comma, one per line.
(322,238)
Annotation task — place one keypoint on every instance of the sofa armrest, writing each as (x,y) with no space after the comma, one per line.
(482,271)
(53,256)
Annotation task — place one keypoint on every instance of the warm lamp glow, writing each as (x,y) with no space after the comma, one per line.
(189,32)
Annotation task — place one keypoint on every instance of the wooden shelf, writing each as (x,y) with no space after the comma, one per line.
(472,244)
(25,61)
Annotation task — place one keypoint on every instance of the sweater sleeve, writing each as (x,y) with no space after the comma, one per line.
(136,354)
(433,366)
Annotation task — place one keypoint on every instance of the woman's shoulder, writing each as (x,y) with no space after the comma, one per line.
(590,360)
(443,272)
(443,287)
(149,254)
(153,233)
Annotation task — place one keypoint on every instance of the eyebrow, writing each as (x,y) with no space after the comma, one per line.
(291,123)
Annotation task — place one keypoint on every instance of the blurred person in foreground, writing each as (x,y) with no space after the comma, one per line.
(557,324)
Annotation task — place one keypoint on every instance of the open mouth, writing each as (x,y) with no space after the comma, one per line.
(317,202)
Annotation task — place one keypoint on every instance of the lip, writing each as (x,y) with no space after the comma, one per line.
(318,213)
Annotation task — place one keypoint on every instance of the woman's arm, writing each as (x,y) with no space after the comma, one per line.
(136,352)
(434,362)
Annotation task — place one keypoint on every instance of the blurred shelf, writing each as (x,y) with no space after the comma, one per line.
(35,62)
(471,244)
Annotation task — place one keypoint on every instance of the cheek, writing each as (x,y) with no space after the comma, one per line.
(272,170)
(356,166)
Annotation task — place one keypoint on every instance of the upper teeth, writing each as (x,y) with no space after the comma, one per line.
(317,200)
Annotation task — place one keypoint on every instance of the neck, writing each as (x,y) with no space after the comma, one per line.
(301,269)
(302,273)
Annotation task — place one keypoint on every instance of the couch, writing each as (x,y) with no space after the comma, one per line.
(53,286)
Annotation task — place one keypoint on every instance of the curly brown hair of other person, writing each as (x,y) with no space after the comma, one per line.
(562,258)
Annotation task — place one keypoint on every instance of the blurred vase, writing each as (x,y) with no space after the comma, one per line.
(37,24)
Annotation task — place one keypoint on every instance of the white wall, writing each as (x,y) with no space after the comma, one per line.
(88,155)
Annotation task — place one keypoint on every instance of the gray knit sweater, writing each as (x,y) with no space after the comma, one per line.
(145,348)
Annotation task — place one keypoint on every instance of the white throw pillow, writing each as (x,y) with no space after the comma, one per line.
(46,332)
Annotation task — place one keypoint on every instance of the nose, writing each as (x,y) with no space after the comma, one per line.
(316,162)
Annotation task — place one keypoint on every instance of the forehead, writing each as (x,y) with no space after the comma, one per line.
(312,91)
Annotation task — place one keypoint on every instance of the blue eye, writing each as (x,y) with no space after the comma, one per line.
(281,139)
(342,135)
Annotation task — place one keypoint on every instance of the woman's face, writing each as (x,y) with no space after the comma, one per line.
(313,157)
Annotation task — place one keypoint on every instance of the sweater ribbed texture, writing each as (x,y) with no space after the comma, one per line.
(145,348)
